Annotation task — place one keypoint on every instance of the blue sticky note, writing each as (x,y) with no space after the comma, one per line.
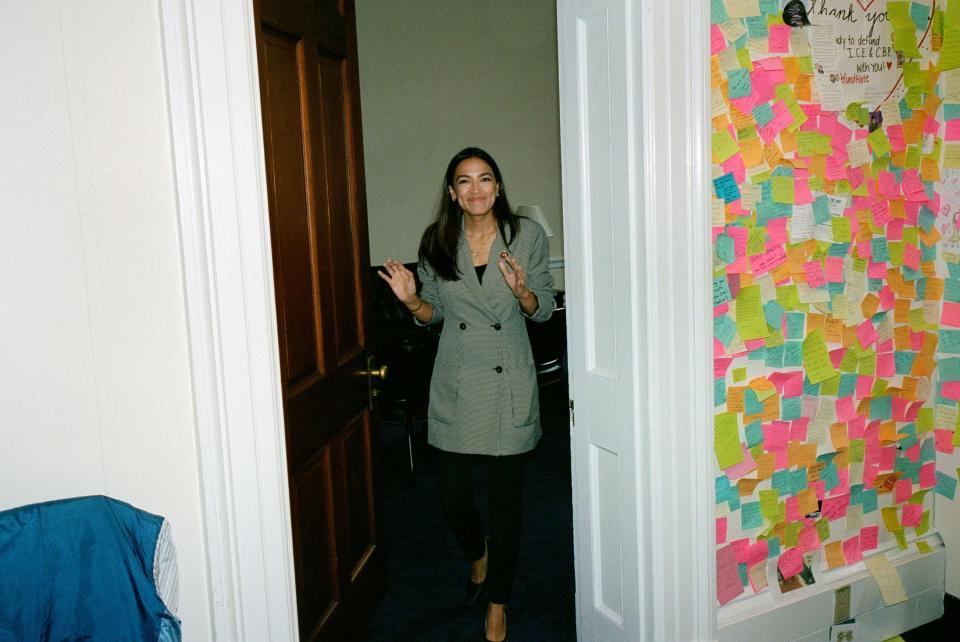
(773,312)
(774,357)
(949,368)
(718,12)
(798,479)
(879,249)
(868,500)
(726,248)
(881,407)
(829,475)
(795,322)
(903,362)
(724,329)
(770,6)
(811,389)
(757,26)
(856,494)
(909,469)
(951,111)
(951,290)
(773,547)
(750,516)
(726,188)
(949,342)
(848,385)
(719,392)
(793,354)
(926,218)
(910,430)
(927,451)
(721,290)
(781,482)
(821,210)
(790,408)
(763,114)
(946,485)
(919,14)
(754,433)
(751,405)
(721,488)
(954,269)
(739,83)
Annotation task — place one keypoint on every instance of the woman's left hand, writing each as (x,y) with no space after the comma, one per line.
(513,275)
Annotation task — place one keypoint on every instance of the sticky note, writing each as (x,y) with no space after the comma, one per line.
(887,578)
(726,439)
(751,321)
(816,359)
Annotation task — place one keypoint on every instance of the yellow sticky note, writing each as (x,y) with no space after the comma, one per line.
(783,190)
(751,324)
(816,358)
(726,439)
(887,578)
(841,229)
(951,156)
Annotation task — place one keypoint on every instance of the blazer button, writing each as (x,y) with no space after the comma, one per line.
(497,326)
(499,369)
(463,326)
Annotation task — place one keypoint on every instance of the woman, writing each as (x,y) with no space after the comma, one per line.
(483,394)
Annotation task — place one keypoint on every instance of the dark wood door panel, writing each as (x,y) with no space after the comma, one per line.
(314,165)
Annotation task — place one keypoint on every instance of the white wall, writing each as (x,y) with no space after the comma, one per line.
(94,379)
(440,75)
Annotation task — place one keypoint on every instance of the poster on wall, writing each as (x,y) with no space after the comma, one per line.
(836,283)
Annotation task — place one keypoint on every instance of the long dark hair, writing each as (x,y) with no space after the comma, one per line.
(438,247)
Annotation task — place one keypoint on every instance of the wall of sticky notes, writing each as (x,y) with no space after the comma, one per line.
(836,282)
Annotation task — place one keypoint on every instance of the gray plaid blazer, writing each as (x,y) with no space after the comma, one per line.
(483,394)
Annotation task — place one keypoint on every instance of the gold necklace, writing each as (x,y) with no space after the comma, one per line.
(484,244)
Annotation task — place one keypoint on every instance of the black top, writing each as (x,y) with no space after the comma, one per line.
(480,270)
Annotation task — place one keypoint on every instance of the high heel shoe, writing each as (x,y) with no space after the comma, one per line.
(477,591)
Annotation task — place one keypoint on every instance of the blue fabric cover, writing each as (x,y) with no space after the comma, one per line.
(81,569)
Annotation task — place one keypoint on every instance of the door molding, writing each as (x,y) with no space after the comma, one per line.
(209,53)
(658,444)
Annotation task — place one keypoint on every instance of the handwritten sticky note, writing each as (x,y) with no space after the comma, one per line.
(726,439)
(739,83)
(729,584)
(879,142)
(751,322)
(816,358)
(887,578)
(723,145)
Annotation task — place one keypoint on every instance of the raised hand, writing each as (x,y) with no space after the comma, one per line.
(400,280)
(513,274)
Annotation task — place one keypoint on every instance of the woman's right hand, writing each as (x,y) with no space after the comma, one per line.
(401,281)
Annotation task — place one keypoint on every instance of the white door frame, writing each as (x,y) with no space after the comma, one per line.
(635,144)
(213,94)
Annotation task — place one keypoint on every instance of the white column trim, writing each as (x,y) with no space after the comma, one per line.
(213,95)
(670,113)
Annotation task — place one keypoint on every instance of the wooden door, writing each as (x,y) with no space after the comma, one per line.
(311,123)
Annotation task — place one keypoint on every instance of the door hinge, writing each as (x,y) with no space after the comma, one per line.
(573,417)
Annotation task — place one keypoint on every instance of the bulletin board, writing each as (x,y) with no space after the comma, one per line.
(836,282)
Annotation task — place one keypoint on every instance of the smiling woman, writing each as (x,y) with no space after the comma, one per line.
(483,394)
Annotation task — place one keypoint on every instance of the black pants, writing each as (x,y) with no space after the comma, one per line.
(505,491)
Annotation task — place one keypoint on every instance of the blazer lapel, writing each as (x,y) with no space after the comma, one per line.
(469,275)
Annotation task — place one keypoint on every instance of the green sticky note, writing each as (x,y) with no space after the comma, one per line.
(726,439)
(816,358)
(723,145)
(879,142)
(751,323)
(739,374)
(841,229)
(783,190)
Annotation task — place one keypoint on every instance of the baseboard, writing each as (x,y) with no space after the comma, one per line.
(806,615)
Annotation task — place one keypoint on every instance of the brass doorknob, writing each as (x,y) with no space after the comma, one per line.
(380,373)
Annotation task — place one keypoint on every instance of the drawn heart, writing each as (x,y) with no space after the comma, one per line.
(865,6)
(889,64)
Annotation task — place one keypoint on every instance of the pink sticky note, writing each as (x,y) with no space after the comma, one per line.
(857,427)
(809,539)
(775,435)
(876,270)
(836,356)
(910,516)
(791,507)
(790,563)
(747,465)
(952,131)
(887,297)
(866,333)
(851,549)
(944,441)
(721,530)
(950,315)
(928,475)
(729,585)
(717,42)
(798,429)
(950,389)
(864,386)
(833,269)
(885,365)
(902,490)
(845,409)
(814,273)
(916,340)
(888,457)
(757,552)
(779,40)
(868,537)
(835,507)
(819,487)
(720,365)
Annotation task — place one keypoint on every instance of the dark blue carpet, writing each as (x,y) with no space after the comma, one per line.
(426,570)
